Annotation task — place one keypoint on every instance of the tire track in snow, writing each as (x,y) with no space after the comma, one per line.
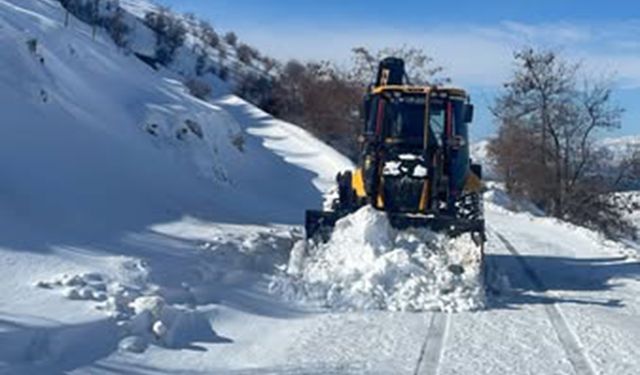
(431,351)
(569,341)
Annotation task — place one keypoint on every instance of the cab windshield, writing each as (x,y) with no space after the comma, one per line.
(403,118)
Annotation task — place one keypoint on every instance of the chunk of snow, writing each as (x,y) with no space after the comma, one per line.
(420,171)
(159,329)
(153,304)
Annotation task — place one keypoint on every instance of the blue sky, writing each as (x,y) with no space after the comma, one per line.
(473,40)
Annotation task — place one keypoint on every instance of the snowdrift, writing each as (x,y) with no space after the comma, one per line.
(367,264)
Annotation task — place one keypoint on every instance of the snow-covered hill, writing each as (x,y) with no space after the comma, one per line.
(112,169)
(224,57)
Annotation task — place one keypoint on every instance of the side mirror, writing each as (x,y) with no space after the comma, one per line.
(468,113)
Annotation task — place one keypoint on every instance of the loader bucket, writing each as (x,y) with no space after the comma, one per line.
(319,224)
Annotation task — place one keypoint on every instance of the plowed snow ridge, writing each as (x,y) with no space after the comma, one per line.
(368,265)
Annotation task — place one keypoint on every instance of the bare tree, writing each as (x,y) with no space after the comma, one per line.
(320,97)
(198,88)
(270,64)
(548,121)
(420,67)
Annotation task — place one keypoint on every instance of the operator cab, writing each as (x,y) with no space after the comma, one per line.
(421,133)
(398,115)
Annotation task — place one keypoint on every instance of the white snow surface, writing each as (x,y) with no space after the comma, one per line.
(130,244)
(368,265)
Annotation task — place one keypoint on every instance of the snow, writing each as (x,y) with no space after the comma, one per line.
(91,193)
(501,200)
(124,251)
(628,203)
(368,265)
(480,154)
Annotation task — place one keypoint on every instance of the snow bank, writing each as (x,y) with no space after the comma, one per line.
(497,200)
(142,317)
(497,195)
(368,265)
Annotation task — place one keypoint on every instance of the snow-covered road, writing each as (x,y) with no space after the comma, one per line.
(566,303)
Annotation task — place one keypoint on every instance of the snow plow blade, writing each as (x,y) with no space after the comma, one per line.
(319,224)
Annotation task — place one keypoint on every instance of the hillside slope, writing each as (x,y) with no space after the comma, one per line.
(105,163)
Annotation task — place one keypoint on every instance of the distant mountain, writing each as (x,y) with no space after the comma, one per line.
(620,147)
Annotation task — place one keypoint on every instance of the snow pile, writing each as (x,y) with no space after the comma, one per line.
(368,265)
(142,317)
(86,287)
(497,200)
(498,196)
(111,294)
(156,322)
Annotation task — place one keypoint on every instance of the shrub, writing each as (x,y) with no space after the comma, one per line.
(198,88)
(231,38)
(245,54)
(258,90)
(208,35)
(223,73)
(201,63)
(170,34)
(118,28)
(84,10)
